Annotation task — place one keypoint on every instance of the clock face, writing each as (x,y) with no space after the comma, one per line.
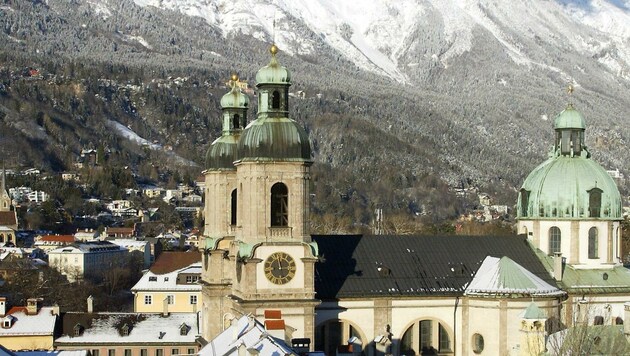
(280,268)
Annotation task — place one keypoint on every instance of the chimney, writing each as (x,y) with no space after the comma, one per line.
(3,307)
(90,304)
(32,306)
(55,310)
(557,266)
(165,307)
(274,324)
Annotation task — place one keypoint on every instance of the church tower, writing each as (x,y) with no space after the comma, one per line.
(264,262)
(5,199)
(569,205)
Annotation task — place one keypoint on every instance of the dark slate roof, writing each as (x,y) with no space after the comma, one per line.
(372,266)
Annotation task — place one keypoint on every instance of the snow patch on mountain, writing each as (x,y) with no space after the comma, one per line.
(129,134)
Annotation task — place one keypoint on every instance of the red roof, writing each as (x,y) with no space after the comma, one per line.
(17,310)
(170,261)
(66,239)
(120,230)
(8,218)
(273,314)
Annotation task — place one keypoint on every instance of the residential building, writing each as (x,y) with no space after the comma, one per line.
(87,259)
(171,285)
(130,334)
(140,247)
(247,333)
(37,196)
(50,242)
(27,328)
(119,232)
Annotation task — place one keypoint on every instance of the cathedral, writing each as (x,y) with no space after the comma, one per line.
(401,295)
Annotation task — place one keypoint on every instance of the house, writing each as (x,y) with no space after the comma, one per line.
(139,247)
(87,259)
(50,242)
(119,232)
(70,176)
(27,328)
(153,192)
(37,196)
(247,336)
(170,285)
(139,334)
(86,235)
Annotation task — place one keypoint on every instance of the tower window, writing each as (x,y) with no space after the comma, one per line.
(592,243)
(275,100)
(233,214)
(236,121)
(524,202)
(555,240)
(279,205)
(595,202)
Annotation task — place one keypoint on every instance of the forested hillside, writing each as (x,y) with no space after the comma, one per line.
(77,74)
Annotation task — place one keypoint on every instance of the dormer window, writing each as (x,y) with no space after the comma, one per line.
(124,331)
(183,329)
(7,321)
(153,279)
(78,330)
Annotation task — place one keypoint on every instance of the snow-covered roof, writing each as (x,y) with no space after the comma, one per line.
(89,247)
(42,323)
(500,276)
(168,281)
(249,333)
(142,328)
(129,243)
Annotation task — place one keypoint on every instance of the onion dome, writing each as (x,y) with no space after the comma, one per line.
(569,184)
(234,98)
(569,119)
(273,73)
(222,153)
(274,139)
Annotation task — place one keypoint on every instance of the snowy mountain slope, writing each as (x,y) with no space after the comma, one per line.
(377,35)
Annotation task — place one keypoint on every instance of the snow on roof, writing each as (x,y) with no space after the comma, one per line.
(52,353)
(143,328)
(42,323)
(248,332)
(168,281)
(504,276)
(129,243)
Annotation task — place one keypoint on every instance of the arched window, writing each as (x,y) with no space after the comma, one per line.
(478,343)
(426,337)
(333,335)
(618,321)
(595,202)
(1,237)
(236,121)
(592,243)
(599,320)
(275,100)
(555,240)
(524,202)
(279,205)
(233,209)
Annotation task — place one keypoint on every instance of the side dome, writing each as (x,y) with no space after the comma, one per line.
(274,139)
(222,153)
(234,98)
(569,118)
(273,73)
(571,188)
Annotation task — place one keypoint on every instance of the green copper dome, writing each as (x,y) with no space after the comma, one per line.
(273,73)
(234,98)
(222,153)
(569,119)
(274,139)
(569,187)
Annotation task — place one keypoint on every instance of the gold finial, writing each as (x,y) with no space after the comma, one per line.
(273,50)
(234,77)
(570,89)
